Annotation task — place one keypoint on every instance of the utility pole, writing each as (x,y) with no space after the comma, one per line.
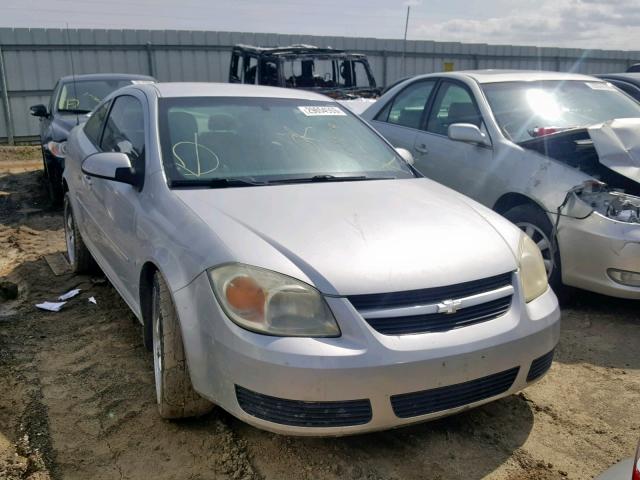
(404,44)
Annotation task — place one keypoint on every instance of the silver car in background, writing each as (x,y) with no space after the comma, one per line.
(557,154)
(290,266)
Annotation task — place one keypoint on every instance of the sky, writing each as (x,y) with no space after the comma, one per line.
(607,24)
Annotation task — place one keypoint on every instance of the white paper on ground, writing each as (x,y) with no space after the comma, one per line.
(51,306)
(93,300)
(69,294)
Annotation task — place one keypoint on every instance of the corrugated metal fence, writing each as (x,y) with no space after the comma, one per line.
(31,60)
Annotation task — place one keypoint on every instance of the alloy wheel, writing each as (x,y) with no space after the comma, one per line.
(70,237)
(157,344)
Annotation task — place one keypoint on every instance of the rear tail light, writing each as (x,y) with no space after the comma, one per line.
(636,465)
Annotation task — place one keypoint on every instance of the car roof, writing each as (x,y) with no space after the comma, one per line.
(495,76)
(630,77)
(184,89)
(105,76)
(293,50)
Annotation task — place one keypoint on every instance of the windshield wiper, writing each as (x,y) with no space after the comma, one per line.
(329,178)
(215,183)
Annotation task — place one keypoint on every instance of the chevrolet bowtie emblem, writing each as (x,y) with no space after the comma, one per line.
(449,306)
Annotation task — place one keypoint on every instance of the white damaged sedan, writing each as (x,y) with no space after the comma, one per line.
(288,265)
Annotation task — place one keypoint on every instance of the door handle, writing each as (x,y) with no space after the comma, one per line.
(422,148)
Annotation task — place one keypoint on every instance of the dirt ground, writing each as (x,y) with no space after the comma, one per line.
(77,397)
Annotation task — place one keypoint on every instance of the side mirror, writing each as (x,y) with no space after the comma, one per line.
(114,166)
(469,133)
(406,155)
(39,111)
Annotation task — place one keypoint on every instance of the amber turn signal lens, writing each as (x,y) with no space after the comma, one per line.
(244,294)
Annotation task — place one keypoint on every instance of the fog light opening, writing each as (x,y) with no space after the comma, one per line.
(623,277)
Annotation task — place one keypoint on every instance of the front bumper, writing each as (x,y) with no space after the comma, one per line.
(362,364)
(591,246)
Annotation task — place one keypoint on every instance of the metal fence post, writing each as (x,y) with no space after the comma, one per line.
(152,70)
(5,99)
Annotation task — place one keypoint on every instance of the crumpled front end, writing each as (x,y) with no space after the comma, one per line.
(601,252)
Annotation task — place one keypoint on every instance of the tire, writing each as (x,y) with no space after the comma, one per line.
(78,255)
(174,392)
(53,183)
(533,221)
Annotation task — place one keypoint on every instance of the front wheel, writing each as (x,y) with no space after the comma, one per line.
(174,391)
(535,223)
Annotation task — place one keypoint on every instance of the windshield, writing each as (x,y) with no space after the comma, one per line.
(526,110)
(83,96)
(269,139)
(326,73)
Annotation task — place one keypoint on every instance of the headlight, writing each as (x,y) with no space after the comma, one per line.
(57,149)
(532,271)
(271,303)
(612,204)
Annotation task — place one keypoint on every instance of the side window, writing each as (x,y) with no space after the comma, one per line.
(54,95)
(453,104)
(360,71)
(124,130)
(93,127)
(269,72)
(250,70)
(407,107)
(234,77)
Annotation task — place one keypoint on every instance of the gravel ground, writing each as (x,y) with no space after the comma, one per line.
(77,397)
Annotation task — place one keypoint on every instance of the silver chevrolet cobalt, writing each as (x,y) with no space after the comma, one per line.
(290,266)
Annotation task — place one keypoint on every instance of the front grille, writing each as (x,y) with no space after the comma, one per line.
(428,295)
(440,322)
(373,307)
(540,366)
(300,413)
(408,405)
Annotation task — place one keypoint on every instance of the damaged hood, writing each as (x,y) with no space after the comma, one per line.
(359,237)
(617,143)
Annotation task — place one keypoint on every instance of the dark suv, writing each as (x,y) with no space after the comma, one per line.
(72,101)
(336,73)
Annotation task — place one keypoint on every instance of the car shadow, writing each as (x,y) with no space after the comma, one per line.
(469,446)
(23,195)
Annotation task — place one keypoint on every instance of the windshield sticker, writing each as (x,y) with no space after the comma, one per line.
(600,86)
(141,82)
(316,111)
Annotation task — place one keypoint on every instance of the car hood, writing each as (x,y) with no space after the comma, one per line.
(360,237)
(618,145)
(64,123)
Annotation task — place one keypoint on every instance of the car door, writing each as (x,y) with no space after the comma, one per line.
(399,121)
(115,205)
(81,185)
(459,165)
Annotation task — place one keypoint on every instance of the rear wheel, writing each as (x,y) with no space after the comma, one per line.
(174,392)
(78,255)
(535,223)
